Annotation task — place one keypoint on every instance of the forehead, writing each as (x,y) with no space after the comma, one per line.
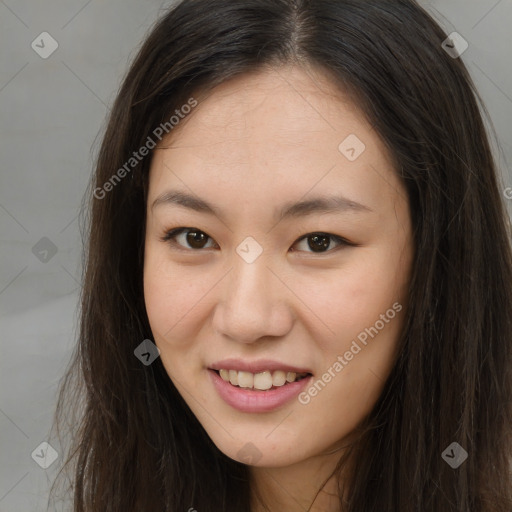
(273,131)
(280,106)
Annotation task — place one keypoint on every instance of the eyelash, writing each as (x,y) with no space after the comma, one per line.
(171,235)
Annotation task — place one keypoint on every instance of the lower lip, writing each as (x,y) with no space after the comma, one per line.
(246,400)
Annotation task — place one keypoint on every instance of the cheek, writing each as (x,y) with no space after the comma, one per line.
(367,314)
(367,286)
(174,312)
(355,363)
(172,303)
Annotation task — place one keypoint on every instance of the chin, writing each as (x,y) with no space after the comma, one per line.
(261,452)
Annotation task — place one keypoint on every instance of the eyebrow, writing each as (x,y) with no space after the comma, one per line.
(320,204)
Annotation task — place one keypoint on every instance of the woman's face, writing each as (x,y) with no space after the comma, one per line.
(293,262)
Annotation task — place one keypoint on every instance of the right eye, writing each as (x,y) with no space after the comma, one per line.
(187,238)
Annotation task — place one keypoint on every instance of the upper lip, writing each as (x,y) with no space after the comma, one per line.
(256,366)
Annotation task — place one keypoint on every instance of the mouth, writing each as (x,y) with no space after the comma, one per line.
(258,386)
(261,381)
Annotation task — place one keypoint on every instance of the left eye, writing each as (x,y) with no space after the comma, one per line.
(196,240)
(321,242)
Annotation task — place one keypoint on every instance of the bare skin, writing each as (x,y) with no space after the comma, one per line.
(256,143)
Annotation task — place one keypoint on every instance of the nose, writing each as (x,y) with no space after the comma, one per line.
(253,303)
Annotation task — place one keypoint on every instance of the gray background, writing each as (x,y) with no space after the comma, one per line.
(51,112)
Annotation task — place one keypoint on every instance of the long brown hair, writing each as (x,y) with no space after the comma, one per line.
(136,445)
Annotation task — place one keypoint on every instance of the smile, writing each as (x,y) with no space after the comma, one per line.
(261,381)
(258,386)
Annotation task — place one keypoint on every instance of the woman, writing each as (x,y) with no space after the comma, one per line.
(297,292)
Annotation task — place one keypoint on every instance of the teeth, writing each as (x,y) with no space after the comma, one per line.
(290,376)
(262,380)
(245,379)
(279,378)
(233,377)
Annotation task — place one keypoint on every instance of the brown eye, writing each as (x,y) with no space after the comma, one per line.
(196,239)
(321,242)
(317,243)
(188,238)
